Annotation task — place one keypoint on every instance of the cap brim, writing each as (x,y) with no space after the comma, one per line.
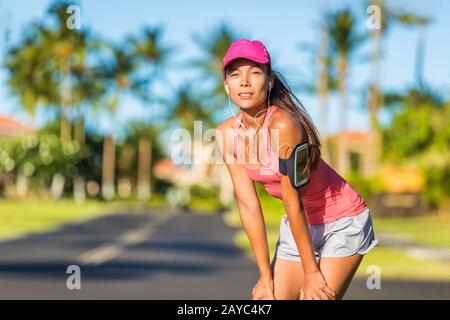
(262,61)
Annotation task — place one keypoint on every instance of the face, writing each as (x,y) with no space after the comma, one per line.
(248,83)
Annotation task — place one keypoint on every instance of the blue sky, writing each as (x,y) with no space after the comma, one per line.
(281,25)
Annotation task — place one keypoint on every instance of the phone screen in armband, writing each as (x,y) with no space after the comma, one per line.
(300,161)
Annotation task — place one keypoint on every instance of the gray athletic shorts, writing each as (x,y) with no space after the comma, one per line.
(343,237)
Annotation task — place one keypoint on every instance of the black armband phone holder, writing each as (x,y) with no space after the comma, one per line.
(295,166)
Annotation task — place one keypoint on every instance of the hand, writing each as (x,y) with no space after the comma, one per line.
(263,290)
(315,287)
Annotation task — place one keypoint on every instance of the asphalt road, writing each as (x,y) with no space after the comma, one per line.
(151,256)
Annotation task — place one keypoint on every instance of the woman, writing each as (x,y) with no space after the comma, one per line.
(327,227)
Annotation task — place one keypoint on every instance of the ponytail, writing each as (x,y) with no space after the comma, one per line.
(282,96)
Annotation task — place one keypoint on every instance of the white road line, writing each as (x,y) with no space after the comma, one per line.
(101,254)
(111,250)
(134,237)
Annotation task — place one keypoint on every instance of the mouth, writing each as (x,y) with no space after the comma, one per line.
(245,95)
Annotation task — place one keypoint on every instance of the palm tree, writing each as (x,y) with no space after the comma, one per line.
(141,137)
(151,54)
(324,80)
(39,66)
(214,46)
(68,47)
(134,67)
(344,40)
(29,76)
(374,97)
(79,86)
(187,108)
(410,19)
(323,84)
(389,17)
(89,87)
(88,91)
(117,74)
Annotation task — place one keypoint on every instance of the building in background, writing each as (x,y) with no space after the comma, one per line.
(356,157)
(200,171)
(10,127)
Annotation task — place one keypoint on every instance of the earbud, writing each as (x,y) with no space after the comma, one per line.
(270,85)
(226,89)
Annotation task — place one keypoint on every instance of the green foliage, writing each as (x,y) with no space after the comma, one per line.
(204,199)
(198,191)
(41,156)
(366,186)
(344,36)
(420,135)
(437,186)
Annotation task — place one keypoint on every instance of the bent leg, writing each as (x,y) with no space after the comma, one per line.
(287,278)
(339,272)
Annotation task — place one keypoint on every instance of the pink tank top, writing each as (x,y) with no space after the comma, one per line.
(327,196)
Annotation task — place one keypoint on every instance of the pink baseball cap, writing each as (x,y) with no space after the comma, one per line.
(252,50)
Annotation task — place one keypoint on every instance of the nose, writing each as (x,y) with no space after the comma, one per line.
(244,83)
(245,79)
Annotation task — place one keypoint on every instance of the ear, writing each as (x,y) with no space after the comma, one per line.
(226,88)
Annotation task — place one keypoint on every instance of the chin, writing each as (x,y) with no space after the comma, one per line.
(247,104)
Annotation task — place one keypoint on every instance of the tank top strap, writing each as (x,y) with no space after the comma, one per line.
(265,128)
(236,125)
(271,110)
(238,121)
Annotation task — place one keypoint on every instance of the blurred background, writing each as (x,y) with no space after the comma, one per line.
(92,99)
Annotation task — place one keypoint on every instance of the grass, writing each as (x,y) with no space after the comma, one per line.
(204,205)
(393,263)
(427,230)
(157,201)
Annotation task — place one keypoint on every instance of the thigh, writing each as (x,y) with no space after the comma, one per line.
(339,271)
(287,278)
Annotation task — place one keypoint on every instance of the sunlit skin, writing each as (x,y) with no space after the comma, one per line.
(281,279)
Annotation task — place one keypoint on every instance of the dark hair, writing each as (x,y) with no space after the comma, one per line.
(282,96)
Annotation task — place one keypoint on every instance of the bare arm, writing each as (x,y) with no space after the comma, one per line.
(250,211)
(289,135)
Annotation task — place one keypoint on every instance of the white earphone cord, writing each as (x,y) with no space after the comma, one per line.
(254,118)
